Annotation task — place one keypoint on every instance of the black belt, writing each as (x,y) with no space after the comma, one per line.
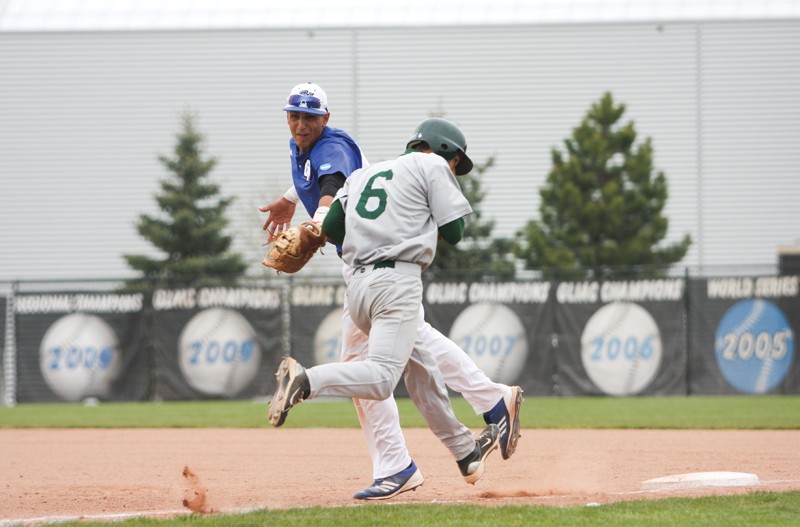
(385,263)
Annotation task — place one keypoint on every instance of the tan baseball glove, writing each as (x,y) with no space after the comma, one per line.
(293,248)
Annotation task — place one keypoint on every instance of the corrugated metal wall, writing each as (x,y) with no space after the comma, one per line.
(83,117)
(750,163)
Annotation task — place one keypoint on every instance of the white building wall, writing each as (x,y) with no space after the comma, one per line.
(750,108)
(83,116)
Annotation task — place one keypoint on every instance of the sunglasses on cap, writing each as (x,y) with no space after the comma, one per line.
(304,101)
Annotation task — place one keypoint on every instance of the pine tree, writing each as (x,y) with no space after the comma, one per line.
(477,255)
(190,233)
(601,207)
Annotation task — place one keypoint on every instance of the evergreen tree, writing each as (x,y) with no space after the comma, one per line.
(476,255)
(190,233)
(601,208)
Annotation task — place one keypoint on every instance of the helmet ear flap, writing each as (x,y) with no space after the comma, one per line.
(418,145)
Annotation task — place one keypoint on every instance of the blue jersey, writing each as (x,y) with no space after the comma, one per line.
(334,151)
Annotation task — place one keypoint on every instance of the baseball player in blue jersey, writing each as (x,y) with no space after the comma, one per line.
(322,159)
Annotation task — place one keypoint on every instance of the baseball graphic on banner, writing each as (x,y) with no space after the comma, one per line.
(80,357)
(493,335)
(621,348)
(328,339)
(219,352)
(754,346)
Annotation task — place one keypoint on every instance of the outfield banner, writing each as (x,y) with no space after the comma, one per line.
(620,337)
(506,327)
(743,335)
(316,322)
(216,342)
(73,346)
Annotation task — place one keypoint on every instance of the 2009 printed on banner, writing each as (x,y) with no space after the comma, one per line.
(218,354)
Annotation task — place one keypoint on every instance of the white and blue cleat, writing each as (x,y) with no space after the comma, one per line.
(505,415)
(473,466)
(391,486)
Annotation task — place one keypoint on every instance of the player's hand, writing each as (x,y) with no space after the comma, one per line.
(280,216)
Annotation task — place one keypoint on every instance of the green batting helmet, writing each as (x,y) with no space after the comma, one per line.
(445,139)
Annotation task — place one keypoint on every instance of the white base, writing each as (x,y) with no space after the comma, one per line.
(701,479)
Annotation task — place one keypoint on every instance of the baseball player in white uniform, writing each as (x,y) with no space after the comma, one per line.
(322,158)
(393,213)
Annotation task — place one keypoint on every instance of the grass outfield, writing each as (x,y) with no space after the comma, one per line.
(732,412)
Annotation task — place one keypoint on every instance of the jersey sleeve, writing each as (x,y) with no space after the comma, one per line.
(333,157)
(333,225)
(445,198)
(342,194)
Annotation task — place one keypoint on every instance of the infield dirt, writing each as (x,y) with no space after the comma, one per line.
(68,473)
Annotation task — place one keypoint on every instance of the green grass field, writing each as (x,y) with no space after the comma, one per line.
(762,509)
(739,412)
(735,412)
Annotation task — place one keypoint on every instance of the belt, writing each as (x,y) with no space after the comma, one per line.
(400,267)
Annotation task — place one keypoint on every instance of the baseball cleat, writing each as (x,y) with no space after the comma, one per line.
(472,467)
(505,414)
(292,389)
(385,488)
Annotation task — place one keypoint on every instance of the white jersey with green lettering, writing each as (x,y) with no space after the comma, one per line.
(393,209)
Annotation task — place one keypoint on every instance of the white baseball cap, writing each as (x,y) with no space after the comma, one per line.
(307,98)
